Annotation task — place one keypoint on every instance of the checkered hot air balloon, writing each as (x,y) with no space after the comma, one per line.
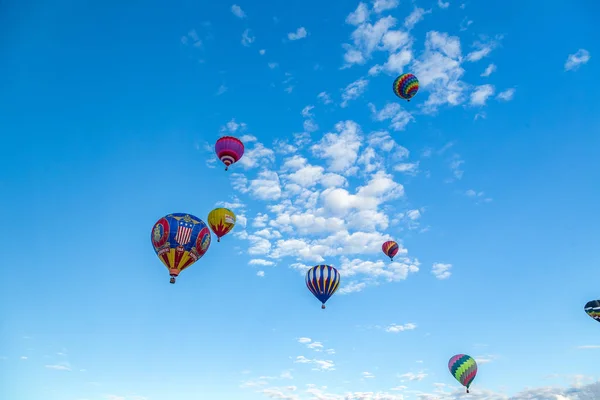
(229,150)
(179,240)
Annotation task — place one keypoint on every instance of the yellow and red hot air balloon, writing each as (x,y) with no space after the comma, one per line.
(390,249)
(179,240)
(221,221)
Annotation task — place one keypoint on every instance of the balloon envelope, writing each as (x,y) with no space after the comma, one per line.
(406,86)
(592,308)
(463,368)
(180,240)
(322,281)
(221,221)
(390,249)
(229,150)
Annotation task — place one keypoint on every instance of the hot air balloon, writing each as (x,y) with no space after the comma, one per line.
(180,240)
(406,86)
(322,281)
(592,308)
(463,368)
(229,150)
(221,221)
(390,249)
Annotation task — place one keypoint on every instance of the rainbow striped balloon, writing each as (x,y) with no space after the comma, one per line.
(463,368)
(406,86)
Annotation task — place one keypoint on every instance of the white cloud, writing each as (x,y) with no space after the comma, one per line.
(247,38)
(412,376)
(59,366)
(222,89)
(481,93)
(368,375)
(441,271)
(319,365)
(262,52)
(260,261)
(577,59)
(395,328)
(394,112)
(260,273)
(299,34)
(366,37)
(506,95)
(353,91)
(407,168)
(306,111)
(358,16)
(483,49)
(237,11)
(341,149)
(325,98)
(489,70)
(441,391)
(383,5)
(443,4)
(415,17)
(440,72)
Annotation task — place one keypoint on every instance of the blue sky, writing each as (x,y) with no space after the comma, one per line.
(487,178)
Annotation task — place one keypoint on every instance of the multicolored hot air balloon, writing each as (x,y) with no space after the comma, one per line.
(463,368)
(180,240)
(221,221)
(406,86)
(592,308)
(229,150)
(390,249)
(322,281)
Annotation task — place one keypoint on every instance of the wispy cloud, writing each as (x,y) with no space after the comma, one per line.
(300,33)
(577,59)
(237,11)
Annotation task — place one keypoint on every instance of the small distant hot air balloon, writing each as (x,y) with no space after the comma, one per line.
(221,221)
(592,308)
(229,150)
(390,249)
(180,240)
(322,281)
(406,86)
(463,368)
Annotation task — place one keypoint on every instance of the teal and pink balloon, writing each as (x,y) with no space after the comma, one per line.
(463,368)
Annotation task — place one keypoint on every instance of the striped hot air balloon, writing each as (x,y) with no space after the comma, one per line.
(463,368)
(229,150)
(322,281)
(390,249)
(592,308)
